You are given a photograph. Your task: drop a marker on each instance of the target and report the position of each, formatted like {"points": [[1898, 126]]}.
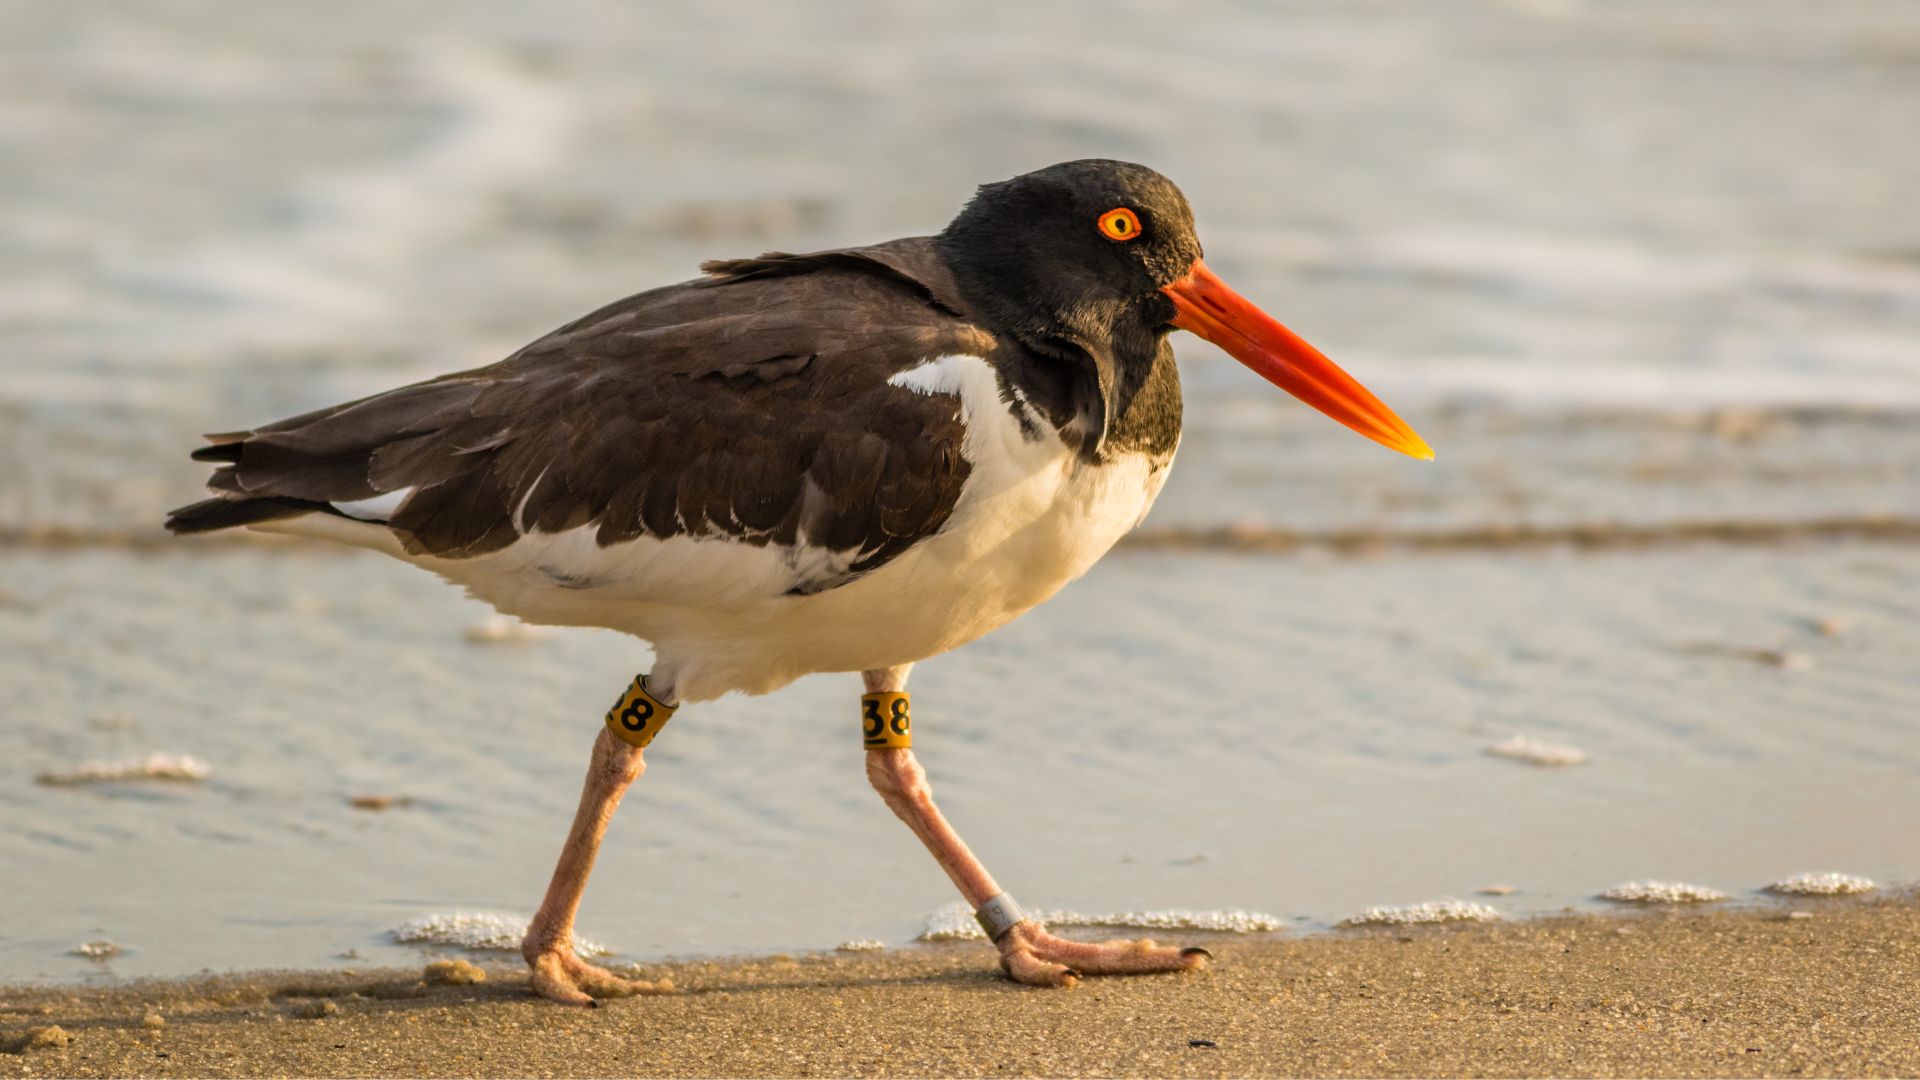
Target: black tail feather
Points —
{"points": [[223, 451], [209, 515]]}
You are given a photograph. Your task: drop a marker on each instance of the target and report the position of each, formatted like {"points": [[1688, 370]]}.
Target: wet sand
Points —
{"points": [[1755, 992]]}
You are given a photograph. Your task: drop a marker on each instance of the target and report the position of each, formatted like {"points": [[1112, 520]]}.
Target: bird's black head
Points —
{"points": [[1093, 262], [1077, 251]]}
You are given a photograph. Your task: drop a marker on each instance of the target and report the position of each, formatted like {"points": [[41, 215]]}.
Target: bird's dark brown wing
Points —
{"points": [[752, 405]]}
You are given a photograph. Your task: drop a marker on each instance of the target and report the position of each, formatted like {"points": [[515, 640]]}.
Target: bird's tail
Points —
{"points": [[211, 515]]}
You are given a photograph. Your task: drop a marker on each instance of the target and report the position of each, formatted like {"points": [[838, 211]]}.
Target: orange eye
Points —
{"points": [[1119, 224]]}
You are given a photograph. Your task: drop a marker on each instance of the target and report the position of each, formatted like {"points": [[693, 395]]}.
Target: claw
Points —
{"points": [[1195, 950]]}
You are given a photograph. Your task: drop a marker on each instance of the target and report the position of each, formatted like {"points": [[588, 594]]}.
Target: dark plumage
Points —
{"points": [[751, 404]]}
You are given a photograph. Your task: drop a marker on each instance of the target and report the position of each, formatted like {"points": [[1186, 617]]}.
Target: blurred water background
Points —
{"points": [[1643, 273]]}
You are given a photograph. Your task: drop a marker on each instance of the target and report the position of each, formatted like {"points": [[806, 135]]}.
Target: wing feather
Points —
{"points": [[753, 405]]}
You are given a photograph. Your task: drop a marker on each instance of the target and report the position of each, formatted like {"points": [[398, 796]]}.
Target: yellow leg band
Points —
{"points": [[886, 720], [638, 716]]}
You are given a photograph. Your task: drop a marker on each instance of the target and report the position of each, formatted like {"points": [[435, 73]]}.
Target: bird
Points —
{"points": [[848, 460]]}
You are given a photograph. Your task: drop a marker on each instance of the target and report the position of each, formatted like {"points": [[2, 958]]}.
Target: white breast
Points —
{"points": [[1032, 517]]}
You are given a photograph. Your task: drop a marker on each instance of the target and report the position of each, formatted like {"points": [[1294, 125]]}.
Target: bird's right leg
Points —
{"points": [[1028, 953], [558, 972]]}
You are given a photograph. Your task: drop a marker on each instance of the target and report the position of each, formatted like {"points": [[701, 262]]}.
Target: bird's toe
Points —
{"points": [[1022, 966], [552, 981], [1141, 957], [600, 982], [560, 975]]}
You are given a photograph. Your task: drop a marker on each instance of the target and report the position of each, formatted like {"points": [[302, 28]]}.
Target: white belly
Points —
{"points": [[995, 562]]}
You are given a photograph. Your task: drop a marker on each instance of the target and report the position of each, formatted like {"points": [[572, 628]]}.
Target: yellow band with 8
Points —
{"points": [[886, 720], [638, 716]]}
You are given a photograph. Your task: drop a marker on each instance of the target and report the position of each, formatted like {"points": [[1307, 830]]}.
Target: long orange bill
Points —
{"points": [[1208, 308]]}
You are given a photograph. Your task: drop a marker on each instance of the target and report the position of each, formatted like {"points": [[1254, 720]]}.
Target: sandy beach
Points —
{"points": [[1796, 989]]}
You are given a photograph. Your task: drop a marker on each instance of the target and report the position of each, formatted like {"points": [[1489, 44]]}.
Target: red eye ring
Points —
{"points": [[1119, 223]]}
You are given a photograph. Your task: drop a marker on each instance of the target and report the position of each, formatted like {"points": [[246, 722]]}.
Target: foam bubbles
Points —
{"points": [[1827, 884], [1533, 752], [158, 766], [955, 922], [1662, 892], [1444, 909], [489, 930]]}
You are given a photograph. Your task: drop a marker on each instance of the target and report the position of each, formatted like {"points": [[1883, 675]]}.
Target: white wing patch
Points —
{"points": [[945, 375], [381, 507], [977, 385]]}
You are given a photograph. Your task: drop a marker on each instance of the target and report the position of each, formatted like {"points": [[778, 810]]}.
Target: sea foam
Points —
{"points": [[159, 766], [955, 923], [1521, 748], [1827, 884], [1661, 892], [489, 930], [1444, 909]]}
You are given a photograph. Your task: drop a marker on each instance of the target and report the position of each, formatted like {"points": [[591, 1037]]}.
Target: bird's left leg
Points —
{"points": [[558, 972], [1028, 953]]}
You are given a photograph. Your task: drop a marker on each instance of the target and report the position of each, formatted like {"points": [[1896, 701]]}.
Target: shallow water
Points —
{"points": [[1299, 736], [1625, 265]]}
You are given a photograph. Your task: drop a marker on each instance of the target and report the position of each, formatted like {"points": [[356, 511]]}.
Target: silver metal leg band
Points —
{"points": [[998, 916]]}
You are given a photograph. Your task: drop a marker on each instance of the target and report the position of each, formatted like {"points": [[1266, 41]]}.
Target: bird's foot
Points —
{"points": [[1030, 955], [560, 975]]}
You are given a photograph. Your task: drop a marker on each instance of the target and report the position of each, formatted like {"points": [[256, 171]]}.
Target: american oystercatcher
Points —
{"points": [[849, 460]]}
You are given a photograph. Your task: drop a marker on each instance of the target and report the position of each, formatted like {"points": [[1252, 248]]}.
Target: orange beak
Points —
{"points": [[1208, 308]]}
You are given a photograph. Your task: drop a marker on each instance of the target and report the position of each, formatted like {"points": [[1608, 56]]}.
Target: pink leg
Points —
{"points": [[1028, 953], [558, 972]]}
